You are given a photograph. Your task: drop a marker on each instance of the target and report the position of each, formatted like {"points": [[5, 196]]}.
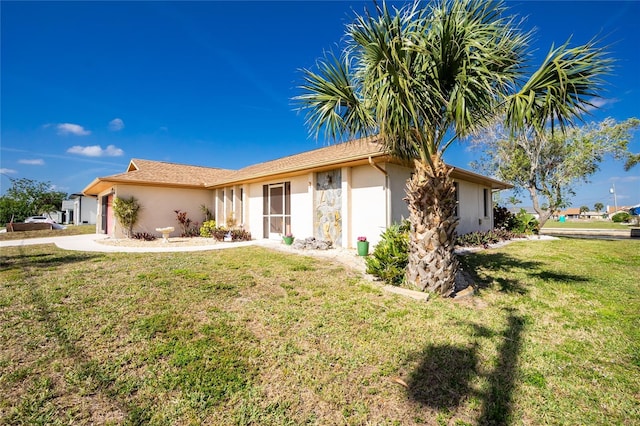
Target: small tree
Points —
{"points": [[28, 197], [549, 164], [598, 207], [583, 209], [126, 211]]}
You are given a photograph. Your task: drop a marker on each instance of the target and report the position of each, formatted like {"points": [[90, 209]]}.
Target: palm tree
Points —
{"points": [[598, 207], [421, 77]]}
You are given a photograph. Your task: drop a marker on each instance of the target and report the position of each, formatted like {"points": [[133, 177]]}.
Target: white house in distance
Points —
{"points": [[336, 193], [80, 209]]}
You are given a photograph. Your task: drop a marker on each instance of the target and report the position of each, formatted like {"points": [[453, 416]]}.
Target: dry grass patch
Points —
{"points": [[252, 336]]}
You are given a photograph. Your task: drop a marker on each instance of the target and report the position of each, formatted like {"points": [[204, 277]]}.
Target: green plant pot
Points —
{"points": [[287, 240], [363, 248]]}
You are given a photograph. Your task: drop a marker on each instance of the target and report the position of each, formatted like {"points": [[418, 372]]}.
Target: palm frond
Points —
{"points": [[332, 102], [562, 90]]}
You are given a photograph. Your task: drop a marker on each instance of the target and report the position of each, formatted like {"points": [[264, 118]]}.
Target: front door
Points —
{"points": [[277, 214]]}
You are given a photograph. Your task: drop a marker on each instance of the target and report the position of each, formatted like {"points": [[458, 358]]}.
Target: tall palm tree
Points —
{"points": [[421, 77]]}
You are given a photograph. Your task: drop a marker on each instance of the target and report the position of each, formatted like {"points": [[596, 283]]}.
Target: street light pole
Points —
{"points": [[612, 190]]}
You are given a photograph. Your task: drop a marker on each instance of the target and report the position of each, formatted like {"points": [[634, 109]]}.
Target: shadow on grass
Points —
{"points": [[84, 366], [504, 270], [28, 258], [442, 379]]}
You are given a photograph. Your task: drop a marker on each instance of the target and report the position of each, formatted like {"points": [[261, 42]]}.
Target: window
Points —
{"points": [[487, 201]]}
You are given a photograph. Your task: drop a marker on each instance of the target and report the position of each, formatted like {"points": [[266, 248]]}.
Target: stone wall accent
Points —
{"points": [[327, 223]]}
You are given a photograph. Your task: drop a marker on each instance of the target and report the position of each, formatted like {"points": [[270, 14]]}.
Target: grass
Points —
{"points": [[586, 224], [70, 230], [250, 336]]}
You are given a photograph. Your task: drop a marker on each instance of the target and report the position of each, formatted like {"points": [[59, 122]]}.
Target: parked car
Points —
{"points": [[38, 219], [43, 219]]}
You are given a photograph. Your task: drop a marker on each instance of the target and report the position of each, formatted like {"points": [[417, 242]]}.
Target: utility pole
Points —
{"points": [[612, 190]]}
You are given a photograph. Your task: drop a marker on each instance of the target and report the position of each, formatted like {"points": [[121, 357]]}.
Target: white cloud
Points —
{"points": [[116, 124], [598, 103], [8, 171], [96, 151], [34, 162], [624, 178], [74, 129]]}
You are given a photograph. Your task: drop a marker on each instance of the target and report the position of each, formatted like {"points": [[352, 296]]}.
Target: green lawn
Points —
{"points": [[251, 336], [70, 230], [586, 224]]}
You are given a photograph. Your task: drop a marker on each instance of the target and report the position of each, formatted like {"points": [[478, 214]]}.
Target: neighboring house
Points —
{"points": [[611, 210], [593, 215], [336, 193], [80, 209], [570, 213]]}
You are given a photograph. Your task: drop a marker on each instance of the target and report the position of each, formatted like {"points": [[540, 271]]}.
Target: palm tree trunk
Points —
{"points": [[431, 198]]}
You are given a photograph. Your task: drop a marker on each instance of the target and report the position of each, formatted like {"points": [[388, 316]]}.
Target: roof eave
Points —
{"points": [[294, 171]]}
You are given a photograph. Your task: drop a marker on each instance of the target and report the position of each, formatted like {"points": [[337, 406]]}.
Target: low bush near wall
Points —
{"points": [[390, 257], [483, 239], [143, 236]]}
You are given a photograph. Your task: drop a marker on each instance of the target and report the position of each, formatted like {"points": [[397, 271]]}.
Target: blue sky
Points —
{"points": [[86, 86]]}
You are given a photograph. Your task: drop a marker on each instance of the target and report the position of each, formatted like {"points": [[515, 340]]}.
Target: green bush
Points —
{"points": [[207, 228], [391, 255], [621, 217], [503, 219], [525, 223], [126, 211]]}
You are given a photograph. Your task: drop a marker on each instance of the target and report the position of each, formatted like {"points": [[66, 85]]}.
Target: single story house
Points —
{"points": [[80, 209], [337, 193]]}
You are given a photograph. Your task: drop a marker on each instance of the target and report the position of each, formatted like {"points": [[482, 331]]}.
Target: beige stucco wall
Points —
{"points": [[471, 209], [398, 176], [369, 215], [158, 206], [301, 206]]}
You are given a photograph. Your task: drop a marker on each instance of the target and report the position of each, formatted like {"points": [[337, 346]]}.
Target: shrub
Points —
{"points": [[483, 239], [189, 228], [503, 218], [240, 235], [621, 217], [207, 228], [219, 233], [126, 211], [391, 255], [525, 223], [144, 236]]}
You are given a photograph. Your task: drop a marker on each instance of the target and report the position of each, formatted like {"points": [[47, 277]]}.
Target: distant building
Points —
{"points": [[80, 209]]}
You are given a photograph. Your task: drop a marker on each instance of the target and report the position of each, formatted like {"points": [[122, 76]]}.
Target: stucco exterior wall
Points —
{"points": [[398, 176], [85, 210], [368, 204], [158, 206], [301, 206], [471, 208]]}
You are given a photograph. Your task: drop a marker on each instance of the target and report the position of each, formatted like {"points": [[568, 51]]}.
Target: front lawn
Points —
{"points": [[586, 224], [251, 336], [70, 230]]}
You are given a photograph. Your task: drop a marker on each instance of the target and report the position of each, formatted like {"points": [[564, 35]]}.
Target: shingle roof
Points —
{"points": [[147, 172], [342, 153], [171, 173]]}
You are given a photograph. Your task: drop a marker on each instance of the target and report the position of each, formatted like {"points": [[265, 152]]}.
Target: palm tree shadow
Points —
{"points": [[443, 376], [497, 408], [27, 259], [489, 269]]}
